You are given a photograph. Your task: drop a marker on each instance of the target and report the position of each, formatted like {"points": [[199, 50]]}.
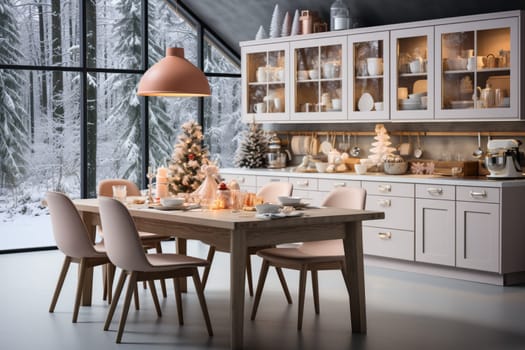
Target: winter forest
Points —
{"points": [[53, 91]]}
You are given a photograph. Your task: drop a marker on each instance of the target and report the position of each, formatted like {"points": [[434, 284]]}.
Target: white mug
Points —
{"points": [[336, 104], [259, 107], [378, 106], [278, 105], [415, 66], [374, 65], [261, 74]]}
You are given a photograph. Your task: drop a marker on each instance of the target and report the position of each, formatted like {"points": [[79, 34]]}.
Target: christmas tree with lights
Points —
{"points": [[187, 159], [382, 147], [252, 150]]}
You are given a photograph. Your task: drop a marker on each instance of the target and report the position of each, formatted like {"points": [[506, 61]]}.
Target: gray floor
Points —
{"points": [[405, 311]]}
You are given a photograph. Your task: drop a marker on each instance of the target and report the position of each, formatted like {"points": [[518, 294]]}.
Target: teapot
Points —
{"points": [[487, 96]]}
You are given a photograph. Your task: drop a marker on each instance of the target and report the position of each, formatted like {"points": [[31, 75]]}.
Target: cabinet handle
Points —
{"points": [[302, 183], [385, 203], [475, 194], [340, 184], [435, 190], [241, 180], [275, 180], [385, 235], [384, 188]]}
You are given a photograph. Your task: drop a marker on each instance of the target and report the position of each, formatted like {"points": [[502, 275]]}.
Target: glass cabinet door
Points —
{"points": [[265, 82], [368, 76], [477, 70], [412, 83], [319, 79]]}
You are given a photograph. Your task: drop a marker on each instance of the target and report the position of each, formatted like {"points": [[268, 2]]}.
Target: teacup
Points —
{"points": [[415, 66], [302, 75], [259, 107], [378, 106], [336, 104], [313, 74]]}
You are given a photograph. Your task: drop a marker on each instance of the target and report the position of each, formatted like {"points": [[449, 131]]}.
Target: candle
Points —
{"points": [[162, 172]]}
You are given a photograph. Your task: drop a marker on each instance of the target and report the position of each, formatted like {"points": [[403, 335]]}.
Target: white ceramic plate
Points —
{"points": [[366, 102]]}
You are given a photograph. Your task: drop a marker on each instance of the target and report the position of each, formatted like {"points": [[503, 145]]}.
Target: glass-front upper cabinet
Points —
{"points": [[477, 70], [412, 77], [265, 82], [369, 76], [319, 79]]}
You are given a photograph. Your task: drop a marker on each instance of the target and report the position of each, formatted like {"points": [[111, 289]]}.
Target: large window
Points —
{"points": [[69, 113]]}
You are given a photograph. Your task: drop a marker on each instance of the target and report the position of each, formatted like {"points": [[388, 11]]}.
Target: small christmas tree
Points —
{"points": [[287, 25], [252, 149], [187, 158], [261, 34], [276, 22], [381, 148], [296, 24]]}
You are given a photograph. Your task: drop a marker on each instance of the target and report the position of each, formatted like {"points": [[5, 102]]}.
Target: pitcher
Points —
{"points": [[487, 96]]}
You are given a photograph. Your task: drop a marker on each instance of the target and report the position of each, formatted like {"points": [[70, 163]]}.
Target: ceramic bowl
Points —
{"points": [[267, 208], [360, 169], [286, 200], [395, 168], [171, 201]]}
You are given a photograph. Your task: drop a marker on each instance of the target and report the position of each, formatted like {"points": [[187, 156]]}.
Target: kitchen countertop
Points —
{"points": [[482, 181]]}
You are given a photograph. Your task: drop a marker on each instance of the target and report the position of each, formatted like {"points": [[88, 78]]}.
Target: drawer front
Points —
{"points": [[477, 194], [399, 212], [329, 185], [446, 192], [389, 188], [244, 181], [388, 243], [263, 180], [301, 183]]}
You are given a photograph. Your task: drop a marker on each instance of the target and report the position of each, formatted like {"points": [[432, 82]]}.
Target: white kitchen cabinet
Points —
{"points": [[388, 243], [412, 74], [435, 236], [265, 80], [319, 79], [369, 62], [478, 70], [246, 182]]}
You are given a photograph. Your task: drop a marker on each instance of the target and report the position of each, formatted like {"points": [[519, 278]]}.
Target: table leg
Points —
{"points": [[355, 274], [88, 280], [238, 251], [181, 246]]}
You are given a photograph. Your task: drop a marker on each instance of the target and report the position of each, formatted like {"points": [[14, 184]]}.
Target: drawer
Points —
{"points": [[399, 212], [263, 180], [302, 183], [329, 185], [446, 192], [242, 180], [477, 194], [388, 243], [389, 188]]}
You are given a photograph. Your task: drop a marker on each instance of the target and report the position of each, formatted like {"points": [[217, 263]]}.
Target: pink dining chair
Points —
{"points": [[311, 256], [149, 240], [270, 193], [125, 251], [72, 239]]}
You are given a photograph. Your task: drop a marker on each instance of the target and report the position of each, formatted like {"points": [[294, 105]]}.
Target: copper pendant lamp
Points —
{"points": [[174, 76]]}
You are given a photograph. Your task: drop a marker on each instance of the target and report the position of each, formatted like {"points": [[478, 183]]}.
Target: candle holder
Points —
{"points": [[150, 177]]}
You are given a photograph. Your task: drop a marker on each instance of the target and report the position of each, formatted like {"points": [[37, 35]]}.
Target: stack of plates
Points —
{"points": [[409, 104]]}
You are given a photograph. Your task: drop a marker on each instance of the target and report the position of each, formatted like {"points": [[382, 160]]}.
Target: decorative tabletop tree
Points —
{"points": [[381, 148], [187, 159], [252, 150]]}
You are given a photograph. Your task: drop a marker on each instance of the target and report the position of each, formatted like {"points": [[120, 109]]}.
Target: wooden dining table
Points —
{"points": [[235, 231]]}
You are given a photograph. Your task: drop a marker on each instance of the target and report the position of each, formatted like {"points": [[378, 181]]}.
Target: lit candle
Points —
{"points": [[162, 172]]}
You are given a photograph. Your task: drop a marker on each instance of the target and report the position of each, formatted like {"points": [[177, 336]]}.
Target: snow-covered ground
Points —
{"points": [[25, 231]]}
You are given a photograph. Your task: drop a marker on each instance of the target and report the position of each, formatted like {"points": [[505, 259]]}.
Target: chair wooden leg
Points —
{"points": [[116, 297], [80, 287], [249, 274], [158, 248], [60, 283], [136, 298], [205, 274], [260, 285], [110, 274], [302, 290], [178, 299], [105, 294], [202, 301], [315, 290], [284, 285], [132, 285], [153, 291]]}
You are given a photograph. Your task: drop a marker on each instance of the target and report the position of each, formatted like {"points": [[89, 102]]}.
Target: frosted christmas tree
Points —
{"points": [[275, 24], [252, 149], [381, 148], [296, 24], [187, 159], [287, 25], [261, 34]]}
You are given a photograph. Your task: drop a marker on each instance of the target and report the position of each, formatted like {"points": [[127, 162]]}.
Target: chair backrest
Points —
{"points": [[121, 238], [272, 190], [346, 197], [105, 187], [69, 230]]}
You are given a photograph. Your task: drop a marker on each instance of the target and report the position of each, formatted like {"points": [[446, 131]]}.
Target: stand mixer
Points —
{"points": [[503, 159]]}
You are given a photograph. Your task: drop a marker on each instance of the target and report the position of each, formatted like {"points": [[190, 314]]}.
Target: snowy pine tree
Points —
{"points": [[13, 117], [381, 148], [287, 25], [188, 157], [252, 149], [296, 24], [261, 33], [276, 22]]}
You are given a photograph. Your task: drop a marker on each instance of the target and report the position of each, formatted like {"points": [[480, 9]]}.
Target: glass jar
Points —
{"points": [[339, 16], [223, 197]]}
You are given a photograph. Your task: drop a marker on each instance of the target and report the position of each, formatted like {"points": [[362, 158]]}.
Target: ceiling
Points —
{"points": [[238, 20]]}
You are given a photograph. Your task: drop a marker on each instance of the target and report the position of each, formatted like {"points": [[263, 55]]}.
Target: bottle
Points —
{"points": [[339, 16]]}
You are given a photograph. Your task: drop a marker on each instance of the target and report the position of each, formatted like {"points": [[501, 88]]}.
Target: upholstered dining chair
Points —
{"points": [[311, 256], [72, 239], [125, 250], [149, 240], [269, 193]]}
